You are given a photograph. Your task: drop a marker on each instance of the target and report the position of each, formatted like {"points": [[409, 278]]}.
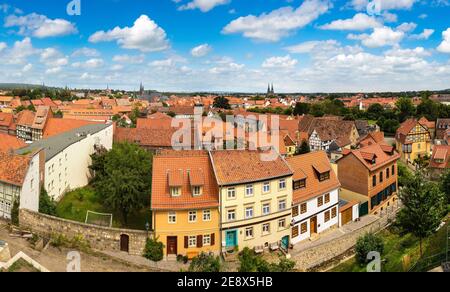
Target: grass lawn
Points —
{"points": [[396, 247], [75, 204]]}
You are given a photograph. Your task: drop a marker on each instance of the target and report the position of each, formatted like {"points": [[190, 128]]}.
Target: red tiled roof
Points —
{"points": [[183, 163], [368, 153], [56, 126], [440, 157], [8, 142], [241, 166], [13, 168], [304, 166], [25, 118]]}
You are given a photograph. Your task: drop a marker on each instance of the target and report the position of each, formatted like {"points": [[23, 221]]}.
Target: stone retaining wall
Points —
{"points": [[100, 238]]}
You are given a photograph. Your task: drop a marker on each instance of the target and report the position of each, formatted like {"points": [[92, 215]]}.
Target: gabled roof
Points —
{"points": [[13, 168], [183, 167], [234, 167], [304, 167], [374, 156], [440, 157], [8, 142], [57, 126], [25, 118], [406, 128]]}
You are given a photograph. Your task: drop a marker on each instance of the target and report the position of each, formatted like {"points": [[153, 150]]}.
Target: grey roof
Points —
{"points": [[57, 144]]}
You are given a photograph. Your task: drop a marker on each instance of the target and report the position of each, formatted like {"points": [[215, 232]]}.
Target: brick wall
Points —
{"points": [[99, 238]]}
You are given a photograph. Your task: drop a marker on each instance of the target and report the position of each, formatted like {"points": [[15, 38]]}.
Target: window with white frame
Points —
{"points": [[249, 232], [231, 215], [266, 187], [248, 212], [192, 216], [175, 192], [207, 239], [282, 223], [266, 209], [206, 215], [282, 184], [196, 191], [249, 190], [192, 241], [266, 228], [231, 193], [282, 205], [172, 217]]}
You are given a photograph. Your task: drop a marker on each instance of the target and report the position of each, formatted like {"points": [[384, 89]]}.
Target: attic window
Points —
{"points": [[324, 176], [299, 184]]}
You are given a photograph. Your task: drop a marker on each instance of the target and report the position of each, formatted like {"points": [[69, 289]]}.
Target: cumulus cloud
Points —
{"points": [[89, 64], [279, 23], [225, 65], [40, 26], [201, 51], [3, 46], [424, 35], [51, 57], [285, 62], [86, 52], [444, 47], [384, 4], [360, 21], [135, 59], [380, 37], [145, 35], [203, 5]]}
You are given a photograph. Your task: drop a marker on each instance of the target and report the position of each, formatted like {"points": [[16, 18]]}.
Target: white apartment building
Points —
{"points": [[67, 157]]}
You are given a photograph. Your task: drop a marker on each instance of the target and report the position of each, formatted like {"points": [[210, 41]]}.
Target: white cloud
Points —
{"points": [[384, 4], [407, 27], [360, 21], [201, 51], [86, 52], [117, 67], [279, 23], [285, 62], [226, 65], [27, 68], [424, 35], [444, 47], [51, 57], [137, 59], [89, 64], [145, 35], [203, 5], [20, 51], [3, 46], [380, 37], [54, 70], [163, 63], [40, 26]]}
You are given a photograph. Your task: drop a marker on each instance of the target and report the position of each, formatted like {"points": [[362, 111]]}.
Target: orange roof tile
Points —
{"points": [[58, 126], [440, 157], [304, 167], [8, 142], [241, 166], [13, 168], [184, 163]]}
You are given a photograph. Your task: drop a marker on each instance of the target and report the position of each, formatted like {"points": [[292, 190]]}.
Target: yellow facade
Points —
{"points": [[290, 151], [170, 226], [255, 219], [418, 144]]}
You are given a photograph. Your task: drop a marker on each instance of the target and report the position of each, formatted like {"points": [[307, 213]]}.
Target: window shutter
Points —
{"points": [[199, 241], [186, 242], [213, 239]]}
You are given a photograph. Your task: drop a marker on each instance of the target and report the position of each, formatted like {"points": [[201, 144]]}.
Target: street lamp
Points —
{"points": [[147, 227]]}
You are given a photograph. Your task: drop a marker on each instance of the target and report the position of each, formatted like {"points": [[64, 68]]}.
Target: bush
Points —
{"points": [[15, 212], [46, 204], [251, 262], [367, 243], [205, 263], [154, 250]]}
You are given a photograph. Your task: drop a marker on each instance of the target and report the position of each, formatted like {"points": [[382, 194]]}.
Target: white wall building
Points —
{"points": [[315, 206], [67, 157]]}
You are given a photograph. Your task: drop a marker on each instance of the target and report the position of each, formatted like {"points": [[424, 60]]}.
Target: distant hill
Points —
{"points": [[8, 86]]}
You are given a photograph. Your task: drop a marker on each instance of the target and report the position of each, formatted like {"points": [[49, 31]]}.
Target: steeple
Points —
{"points": [[272, 91], [268, 88]]}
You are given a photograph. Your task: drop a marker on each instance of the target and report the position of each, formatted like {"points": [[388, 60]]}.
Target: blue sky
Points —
{"points": [[228, 45]]}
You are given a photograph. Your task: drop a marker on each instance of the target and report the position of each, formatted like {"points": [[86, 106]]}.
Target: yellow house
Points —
{"points": [[255, 199], [413, 140], [184, 202]]}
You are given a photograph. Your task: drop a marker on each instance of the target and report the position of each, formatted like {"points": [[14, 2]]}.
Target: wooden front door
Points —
{"points": [[313, 225], [347, 216], [124, 243], [172, 244]]}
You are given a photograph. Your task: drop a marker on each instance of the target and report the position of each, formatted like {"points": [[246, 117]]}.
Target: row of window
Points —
{"points": [[176, 191], [5, 206], [303, 228], [383, 196], [250, 190], [250, 210], [192, 216], [390, 171], [265, 229], [199, 240], [304, 207]]}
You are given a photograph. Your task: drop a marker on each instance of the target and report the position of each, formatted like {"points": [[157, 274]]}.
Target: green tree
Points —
{"points": [[423, 207], [46, 204], [405, 108], [366, 244], [304, 148], [251, 262], [222, 102], [375, 111], [445, 184], [15, 211], [301, 109], [154, 250], [124, 181], [404, 175], [205, 263]]}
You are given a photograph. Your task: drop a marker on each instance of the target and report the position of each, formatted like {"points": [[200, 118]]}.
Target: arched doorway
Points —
{"points": [[124, 243]]}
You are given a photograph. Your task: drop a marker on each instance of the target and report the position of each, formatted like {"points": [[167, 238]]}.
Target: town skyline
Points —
{"points": [[300, 46]]}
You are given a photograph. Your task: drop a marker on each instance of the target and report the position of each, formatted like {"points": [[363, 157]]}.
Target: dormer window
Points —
{"points": [[299, 184], [324, 176], [196, 191], [175, 191]]}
